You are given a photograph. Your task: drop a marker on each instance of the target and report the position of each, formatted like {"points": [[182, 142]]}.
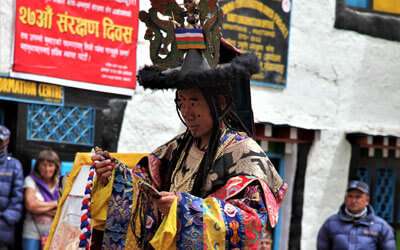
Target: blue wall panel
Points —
{"points": [[72, 125], [358, 3], [383, 197]]}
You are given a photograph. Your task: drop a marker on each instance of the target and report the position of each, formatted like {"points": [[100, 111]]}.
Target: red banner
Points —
{"points": [[90, 41]]}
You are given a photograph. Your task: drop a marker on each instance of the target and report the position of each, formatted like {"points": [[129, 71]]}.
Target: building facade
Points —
{"points": [[43, 113], [336, 119], [342, 100]]}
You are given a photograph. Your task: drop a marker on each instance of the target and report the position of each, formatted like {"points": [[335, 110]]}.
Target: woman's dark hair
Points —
{"points": [[50, 156]]}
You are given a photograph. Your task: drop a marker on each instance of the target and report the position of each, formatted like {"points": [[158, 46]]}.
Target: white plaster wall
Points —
{"points": [[341, 82], [325, 182], [150, 117], [336, 78], [6, 25], [286, 207], [150, 120]]}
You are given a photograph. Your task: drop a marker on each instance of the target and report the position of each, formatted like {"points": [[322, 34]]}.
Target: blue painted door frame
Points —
{"points": [[2, 116], [281, 169], [358, 3]]}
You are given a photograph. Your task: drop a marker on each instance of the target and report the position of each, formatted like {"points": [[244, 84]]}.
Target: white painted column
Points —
{"points": [[325, 182], [7, 12], [286, 208]]}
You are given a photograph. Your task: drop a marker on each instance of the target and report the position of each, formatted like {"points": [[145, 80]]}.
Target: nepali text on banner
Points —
{"points": [[84, 41]]}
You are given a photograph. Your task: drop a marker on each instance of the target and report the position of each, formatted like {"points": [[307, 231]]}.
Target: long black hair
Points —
{"points": [[219, 113], [213, 83]]}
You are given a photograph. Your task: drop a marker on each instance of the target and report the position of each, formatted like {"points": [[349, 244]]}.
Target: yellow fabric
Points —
{"points": [[131, 243], [164, 239], [388, 6], [100, 196], [214, 225]]}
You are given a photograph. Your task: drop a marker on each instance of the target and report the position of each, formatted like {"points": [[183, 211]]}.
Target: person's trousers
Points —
{"points": [[30, 244], [4, 247]]}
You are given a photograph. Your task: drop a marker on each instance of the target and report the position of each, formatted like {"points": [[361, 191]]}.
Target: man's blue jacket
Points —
{"points": [[340, 231], [11, 189]]}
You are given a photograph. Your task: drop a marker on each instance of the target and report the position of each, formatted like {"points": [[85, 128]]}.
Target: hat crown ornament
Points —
{"points": [[174, 29], [194, 62]]}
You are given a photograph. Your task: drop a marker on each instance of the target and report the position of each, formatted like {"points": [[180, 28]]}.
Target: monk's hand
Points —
{"points": [[165, 201], [103, 168]]}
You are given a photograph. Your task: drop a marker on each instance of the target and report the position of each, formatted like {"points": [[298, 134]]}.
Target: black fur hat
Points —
{"points": [[196, 72]]}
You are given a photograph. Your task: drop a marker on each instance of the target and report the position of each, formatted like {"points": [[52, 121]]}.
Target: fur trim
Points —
{"points": [[242, 66]]}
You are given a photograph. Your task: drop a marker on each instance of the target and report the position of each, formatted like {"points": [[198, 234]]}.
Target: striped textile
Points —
{"points": [[189, 38], [86, 229]]}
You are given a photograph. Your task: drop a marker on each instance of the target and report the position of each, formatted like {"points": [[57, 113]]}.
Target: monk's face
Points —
{"points": [[195, 112]]}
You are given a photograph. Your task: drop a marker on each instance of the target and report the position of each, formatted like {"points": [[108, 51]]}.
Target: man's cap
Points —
{"points": [[358, 185], [4, 133]]}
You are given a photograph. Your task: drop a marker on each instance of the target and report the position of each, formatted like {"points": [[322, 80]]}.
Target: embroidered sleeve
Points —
{"points": [[244, 158], [236, 187], [235, 217]]}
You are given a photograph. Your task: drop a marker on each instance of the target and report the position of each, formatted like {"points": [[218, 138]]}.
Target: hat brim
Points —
{"points": [[152, 77], [358, 189]]}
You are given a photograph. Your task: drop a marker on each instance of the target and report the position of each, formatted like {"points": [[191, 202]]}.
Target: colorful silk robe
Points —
{"points": [[244, 193]]}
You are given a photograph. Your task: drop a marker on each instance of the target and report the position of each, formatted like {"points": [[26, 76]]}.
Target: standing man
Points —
{"points": [[356, 226], [215, 181], [215, 178], [11, 186]]}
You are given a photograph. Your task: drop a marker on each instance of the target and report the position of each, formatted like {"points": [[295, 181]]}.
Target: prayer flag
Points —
{"points": [[189, 38]]}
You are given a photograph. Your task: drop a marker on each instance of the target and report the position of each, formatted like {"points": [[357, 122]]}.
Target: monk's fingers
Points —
{"points": [[104, 169], [164, 209], [166, 194], [97, 157], [102, 164], [104, 181], [164, 203], [106, 175]]}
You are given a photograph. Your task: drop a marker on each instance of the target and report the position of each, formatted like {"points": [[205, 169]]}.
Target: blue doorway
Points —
{"points": [[279, 163], [2, 116]]}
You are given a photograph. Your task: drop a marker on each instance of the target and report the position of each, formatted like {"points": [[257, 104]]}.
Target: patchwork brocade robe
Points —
{"points": [[244, 193]]}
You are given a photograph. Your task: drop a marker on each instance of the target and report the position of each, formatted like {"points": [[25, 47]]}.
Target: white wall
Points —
{"points": [[150, 120], [6, 24], [325, 182], [338, 81], [150, 117]]}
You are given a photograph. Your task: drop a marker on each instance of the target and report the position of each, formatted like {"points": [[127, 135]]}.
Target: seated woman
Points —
{"points": [[41, 194]]}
